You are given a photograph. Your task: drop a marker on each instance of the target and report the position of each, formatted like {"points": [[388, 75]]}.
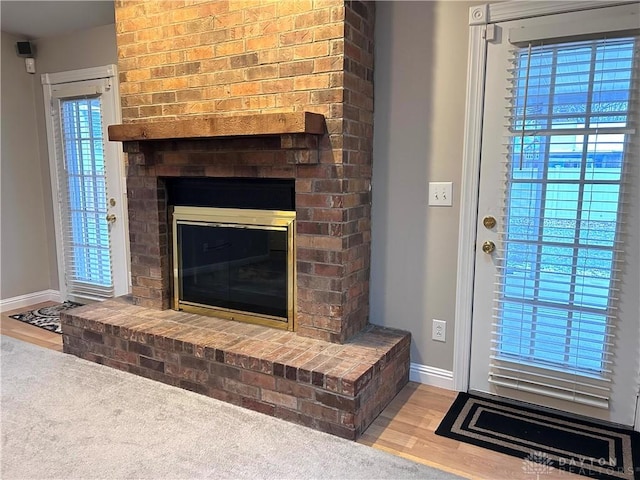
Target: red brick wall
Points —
{"points": [[184, 58], [179, 58]]}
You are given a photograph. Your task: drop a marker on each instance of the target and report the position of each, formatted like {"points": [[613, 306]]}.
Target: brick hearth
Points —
{"points": [[338, 389]]}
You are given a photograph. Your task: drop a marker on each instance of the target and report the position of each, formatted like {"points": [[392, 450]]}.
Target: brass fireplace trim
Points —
{"points": [[238, 218]]}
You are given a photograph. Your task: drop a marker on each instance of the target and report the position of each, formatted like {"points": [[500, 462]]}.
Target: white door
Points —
{"points": [[556, 289], [88, 183]]}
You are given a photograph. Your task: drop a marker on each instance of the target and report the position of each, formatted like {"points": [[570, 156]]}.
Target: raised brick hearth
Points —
{"points": [[334, 388], [252, 89]]}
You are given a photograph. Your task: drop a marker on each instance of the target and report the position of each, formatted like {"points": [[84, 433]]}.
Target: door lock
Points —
{"points": [[488, 246], [111, 218], [489, 222]]}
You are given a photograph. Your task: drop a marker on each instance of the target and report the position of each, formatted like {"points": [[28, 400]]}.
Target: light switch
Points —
{"points": [[440, 194]]}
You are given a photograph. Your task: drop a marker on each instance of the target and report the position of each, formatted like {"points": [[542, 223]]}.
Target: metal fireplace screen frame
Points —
{"points": [[266, 220]]}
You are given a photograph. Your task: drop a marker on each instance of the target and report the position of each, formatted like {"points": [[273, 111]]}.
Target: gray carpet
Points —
{"points": [[63, 417]]}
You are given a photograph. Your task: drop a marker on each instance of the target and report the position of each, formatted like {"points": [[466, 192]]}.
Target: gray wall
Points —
{"points": [[29, 262], [24, 252], [420, 87]]}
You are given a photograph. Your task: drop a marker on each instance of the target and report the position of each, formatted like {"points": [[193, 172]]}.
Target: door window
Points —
{"points": [[569, 117], [87, 248]]}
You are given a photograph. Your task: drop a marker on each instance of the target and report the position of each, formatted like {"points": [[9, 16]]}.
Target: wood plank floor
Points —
{"points": [[405, 428], [28, 333]]}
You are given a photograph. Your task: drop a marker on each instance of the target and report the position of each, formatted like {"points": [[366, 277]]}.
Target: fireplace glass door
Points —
{"points": [[235, 263]]}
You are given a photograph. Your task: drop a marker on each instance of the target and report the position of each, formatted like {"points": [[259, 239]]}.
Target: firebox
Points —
{"points": [[235, 263], [233, 248]]}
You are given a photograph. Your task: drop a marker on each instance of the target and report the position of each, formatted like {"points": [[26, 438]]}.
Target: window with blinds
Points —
{"points": [[571, 125], [87, 241]]}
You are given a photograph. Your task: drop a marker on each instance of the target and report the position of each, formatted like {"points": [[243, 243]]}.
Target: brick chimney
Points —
{"points": [[192, 59]]}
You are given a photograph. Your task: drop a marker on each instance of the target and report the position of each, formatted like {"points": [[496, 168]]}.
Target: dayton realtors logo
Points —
{"points": [[537, 463], [541, 463], [595, 467]]}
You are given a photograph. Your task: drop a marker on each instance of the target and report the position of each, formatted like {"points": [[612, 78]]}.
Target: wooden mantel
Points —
{"points": [[298, 132], [221, 126]]}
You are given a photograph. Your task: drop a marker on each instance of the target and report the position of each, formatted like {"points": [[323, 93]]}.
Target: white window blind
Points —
{"points": [[81, 168], [571, 124]]}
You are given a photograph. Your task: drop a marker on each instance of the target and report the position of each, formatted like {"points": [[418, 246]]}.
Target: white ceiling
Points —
{"points": [[40, 19]]}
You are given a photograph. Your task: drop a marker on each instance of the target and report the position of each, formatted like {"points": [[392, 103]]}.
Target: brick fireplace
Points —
{"points": [[255, 90]]}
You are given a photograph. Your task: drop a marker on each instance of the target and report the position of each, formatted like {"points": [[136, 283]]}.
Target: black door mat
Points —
{"points": [[544, 440]]}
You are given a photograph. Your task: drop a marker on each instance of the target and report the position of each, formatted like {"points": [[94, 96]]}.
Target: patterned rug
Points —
{"points": [[46, 317], [544, 440]]}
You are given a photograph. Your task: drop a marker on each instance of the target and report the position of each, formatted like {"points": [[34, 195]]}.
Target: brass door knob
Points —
{"points": [[488, 246], [111, 218]]}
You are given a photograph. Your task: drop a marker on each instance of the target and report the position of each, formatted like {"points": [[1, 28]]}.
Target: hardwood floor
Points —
{"points": [[28, 333], [405, 428]]}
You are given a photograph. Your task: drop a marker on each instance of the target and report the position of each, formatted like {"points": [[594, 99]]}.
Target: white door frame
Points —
{"points": [[48, 80], [481, 18]]}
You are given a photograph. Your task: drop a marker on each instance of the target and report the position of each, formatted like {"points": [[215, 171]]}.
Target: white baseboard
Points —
{"points": [[29, 299], [436, 377]]}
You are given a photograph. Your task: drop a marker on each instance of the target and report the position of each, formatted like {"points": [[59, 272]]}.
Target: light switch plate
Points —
{"points": [[440, 194]]}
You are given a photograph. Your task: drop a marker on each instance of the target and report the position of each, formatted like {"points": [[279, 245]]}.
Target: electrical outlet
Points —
{"points": [[439, 330], [440, 194]]}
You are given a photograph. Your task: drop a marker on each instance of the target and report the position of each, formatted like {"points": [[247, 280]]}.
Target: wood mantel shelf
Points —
{"points": [[221, 126], [298, 131]]}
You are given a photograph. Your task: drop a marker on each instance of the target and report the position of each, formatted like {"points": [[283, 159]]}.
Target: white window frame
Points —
{"points": [[481, 19]]}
